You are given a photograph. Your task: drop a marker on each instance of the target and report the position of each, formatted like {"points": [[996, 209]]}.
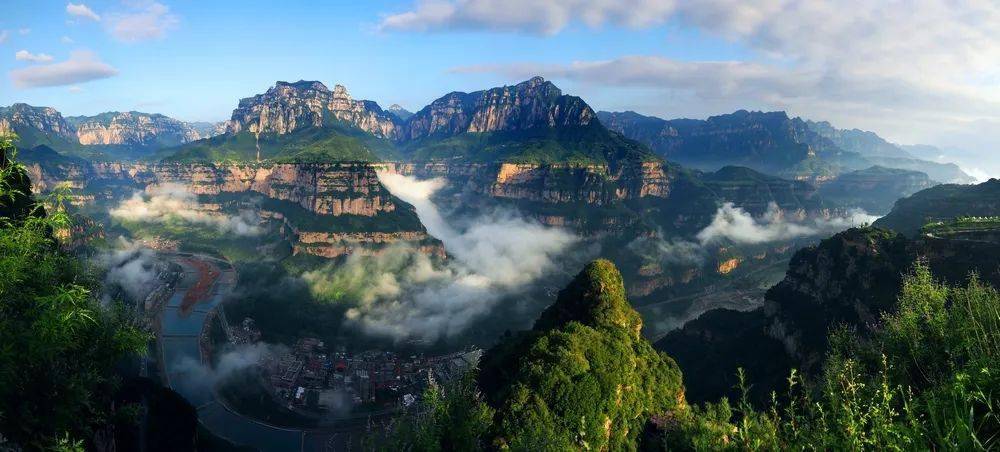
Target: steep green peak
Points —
{"points": [[596, 298]]}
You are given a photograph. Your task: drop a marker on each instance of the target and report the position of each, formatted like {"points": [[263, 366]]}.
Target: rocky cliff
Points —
{"points": [[328, 210], [534, 103], [37, 126], [132, 128], [549, 183], [287, 107], [107, 136]]}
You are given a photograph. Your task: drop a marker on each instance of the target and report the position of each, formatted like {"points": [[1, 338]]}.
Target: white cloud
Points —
{"points": [[23, 31], [80, 67], [403, 293], [75, 89], [530, 16], [66, 40], [82, 11], [144, 21], [738, 226], [169, 201], [885, 66], [4, 35], [24, 55]]}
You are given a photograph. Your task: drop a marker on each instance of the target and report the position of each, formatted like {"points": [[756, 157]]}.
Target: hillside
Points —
{"points": [[773, 143], [874, 189], [770, 142], [943, 202], [851, 278]]}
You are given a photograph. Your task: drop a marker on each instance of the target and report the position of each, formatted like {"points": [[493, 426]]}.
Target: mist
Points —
{"points": [[161, 203], [404, 293], [201, 377], [736, 225]]}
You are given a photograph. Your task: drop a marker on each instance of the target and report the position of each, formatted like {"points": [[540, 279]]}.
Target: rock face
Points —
{"points": [[287, 107], [325, 189], [552, 184], [133, 129], [327, 210], [530, 104], [46, 120]]}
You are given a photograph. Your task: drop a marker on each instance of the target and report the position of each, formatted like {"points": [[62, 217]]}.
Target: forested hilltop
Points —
{"points": [[926, 377]]}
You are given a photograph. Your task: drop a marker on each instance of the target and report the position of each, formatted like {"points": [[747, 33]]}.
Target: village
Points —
{"points": [[314, 378]]}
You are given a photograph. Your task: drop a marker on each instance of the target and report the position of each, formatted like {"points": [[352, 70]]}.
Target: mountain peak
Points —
{"points": [[288, 107], [595, 297], [304, 85]]}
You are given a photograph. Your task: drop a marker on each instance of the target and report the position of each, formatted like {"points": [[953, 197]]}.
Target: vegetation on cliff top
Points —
{"points": [[943, 202], [582, 378], [925, 377]]}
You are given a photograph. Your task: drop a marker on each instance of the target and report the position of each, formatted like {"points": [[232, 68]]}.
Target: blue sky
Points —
{"points": [[919, 71], [219, 52]]}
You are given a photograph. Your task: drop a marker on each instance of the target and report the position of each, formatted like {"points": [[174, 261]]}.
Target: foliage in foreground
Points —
{"points": [[58, 345], [928, 378]]}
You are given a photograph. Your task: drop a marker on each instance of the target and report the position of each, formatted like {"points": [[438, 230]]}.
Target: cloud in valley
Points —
{"points": [[82, 11], [132, 268], [200, 378], [80, 67], [731, 224], [735, 225], [173, 201], [403, 293]]}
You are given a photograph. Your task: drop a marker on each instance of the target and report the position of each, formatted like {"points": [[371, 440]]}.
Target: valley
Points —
{"points": [[332, 261]]}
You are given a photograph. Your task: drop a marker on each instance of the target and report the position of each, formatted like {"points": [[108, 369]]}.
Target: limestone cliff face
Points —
{"points": [[45, 119], [133, 129], [290, 106], [533, 103], [326, 189], [592, 184]]}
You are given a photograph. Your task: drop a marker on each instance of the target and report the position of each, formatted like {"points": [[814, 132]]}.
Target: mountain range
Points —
{"points": [[772, 142]]}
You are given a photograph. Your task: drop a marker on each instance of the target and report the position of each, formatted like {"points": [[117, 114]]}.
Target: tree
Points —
{"points": [[58, 344]]}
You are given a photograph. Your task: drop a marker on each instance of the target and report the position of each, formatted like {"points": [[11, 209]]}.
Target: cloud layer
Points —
{"points": [[920, 72], [403, 293], [735, 225], [80, 67], [173, 201]]}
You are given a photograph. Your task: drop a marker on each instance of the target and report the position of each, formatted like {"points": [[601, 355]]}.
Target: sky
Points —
{"points": [[916, 71]]}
